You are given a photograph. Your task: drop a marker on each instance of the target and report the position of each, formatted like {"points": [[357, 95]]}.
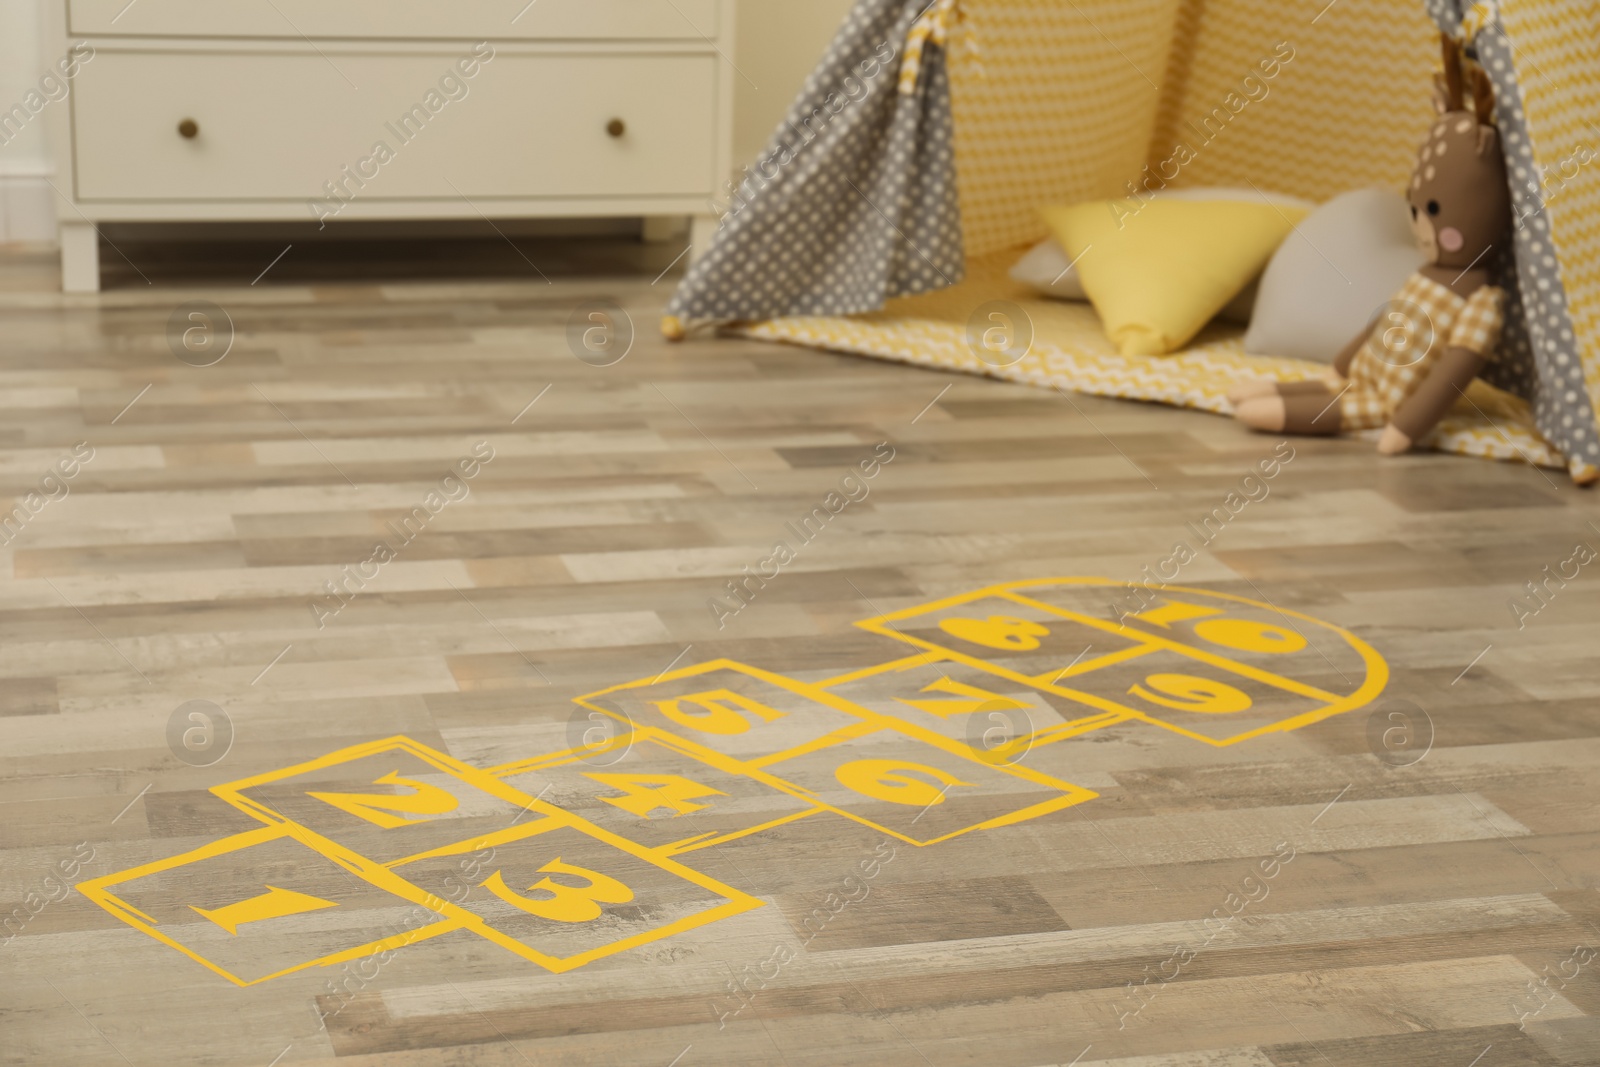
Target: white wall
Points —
{"points": [[779, 42], [26, 211]]}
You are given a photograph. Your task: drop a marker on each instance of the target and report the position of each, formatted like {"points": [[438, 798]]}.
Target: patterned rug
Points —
{"points": [[1070, 351]]}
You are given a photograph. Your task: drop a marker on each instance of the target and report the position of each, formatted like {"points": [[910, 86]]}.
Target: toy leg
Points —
{"points": [[1309, 408], [1309, 387], [1251, 389], [1313, 413], [1262, 387]]}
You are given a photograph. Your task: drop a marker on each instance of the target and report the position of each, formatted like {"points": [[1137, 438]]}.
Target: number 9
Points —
{"points": [[1187, 692]]}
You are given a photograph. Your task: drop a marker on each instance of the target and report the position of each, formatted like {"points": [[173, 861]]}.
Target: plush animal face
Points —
{"points": [[1460, 200]]}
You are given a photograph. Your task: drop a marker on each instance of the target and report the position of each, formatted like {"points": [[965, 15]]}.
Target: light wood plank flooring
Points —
{"points": [[1411, 882]]}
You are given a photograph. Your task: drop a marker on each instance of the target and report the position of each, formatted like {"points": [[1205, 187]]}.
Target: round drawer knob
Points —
{"points": [[189, 129], [616, 127]]}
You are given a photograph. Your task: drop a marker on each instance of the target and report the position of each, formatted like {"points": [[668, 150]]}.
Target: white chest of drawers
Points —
{"points": [[332, 110]]}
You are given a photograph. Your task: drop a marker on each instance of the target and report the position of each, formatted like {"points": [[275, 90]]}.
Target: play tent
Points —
{"points": [[908, 175]]}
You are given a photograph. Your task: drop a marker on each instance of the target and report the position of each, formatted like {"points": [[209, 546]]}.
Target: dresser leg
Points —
{"points": [[658, 229], [80, 257]]}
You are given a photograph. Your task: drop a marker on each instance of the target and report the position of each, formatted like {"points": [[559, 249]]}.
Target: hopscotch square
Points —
{"points": [[991, 714], [752, 715], [659, 791], [390, 800], [262, 904], [1303, 648], [1029, 644], [1198, 700], [922, 789], [569, 895]]}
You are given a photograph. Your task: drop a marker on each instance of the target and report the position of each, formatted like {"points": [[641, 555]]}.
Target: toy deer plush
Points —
{"points": [[1427, 345]]}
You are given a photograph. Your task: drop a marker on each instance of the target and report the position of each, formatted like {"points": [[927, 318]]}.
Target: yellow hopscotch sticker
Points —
{"points": [[923, 748]]}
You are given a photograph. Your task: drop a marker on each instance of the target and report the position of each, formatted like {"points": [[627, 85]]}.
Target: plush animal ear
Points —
{"points": [[1482, 96], [1488, 140], [1455, 95]]}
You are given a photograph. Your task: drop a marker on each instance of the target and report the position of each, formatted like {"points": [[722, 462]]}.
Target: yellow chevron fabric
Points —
{"points": [[1070, 351], [1056, 105], [1345, 111], [1556, 45]]}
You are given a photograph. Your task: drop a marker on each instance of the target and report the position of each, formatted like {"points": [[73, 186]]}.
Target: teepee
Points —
{"points": [[909, 173]]}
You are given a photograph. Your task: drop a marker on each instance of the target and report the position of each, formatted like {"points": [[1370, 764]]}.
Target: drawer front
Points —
{"points": [[277, 126], [495, 20]]}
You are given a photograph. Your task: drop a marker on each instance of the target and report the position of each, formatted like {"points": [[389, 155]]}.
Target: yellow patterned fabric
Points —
{"points": [[1557, 54], [1091, 91], [1341, 113], [1060, 109], [1071, 352]]}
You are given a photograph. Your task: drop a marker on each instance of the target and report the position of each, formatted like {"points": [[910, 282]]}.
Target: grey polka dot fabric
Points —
{"points": [[853, 201], [1538, 352]]}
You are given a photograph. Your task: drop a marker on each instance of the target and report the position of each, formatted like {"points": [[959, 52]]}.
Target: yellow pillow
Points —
{"points": [[1158, 276]]}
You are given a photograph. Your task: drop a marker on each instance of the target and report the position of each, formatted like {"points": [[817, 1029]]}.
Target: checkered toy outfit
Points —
{"points": [[1424, 319]]}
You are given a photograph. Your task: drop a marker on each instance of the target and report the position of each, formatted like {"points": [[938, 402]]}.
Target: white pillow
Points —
{"points": [[1340, 266], [1047, 270]]}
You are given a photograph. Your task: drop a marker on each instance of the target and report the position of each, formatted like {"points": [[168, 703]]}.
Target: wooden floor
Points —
{"points": [[1412, 881]]}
